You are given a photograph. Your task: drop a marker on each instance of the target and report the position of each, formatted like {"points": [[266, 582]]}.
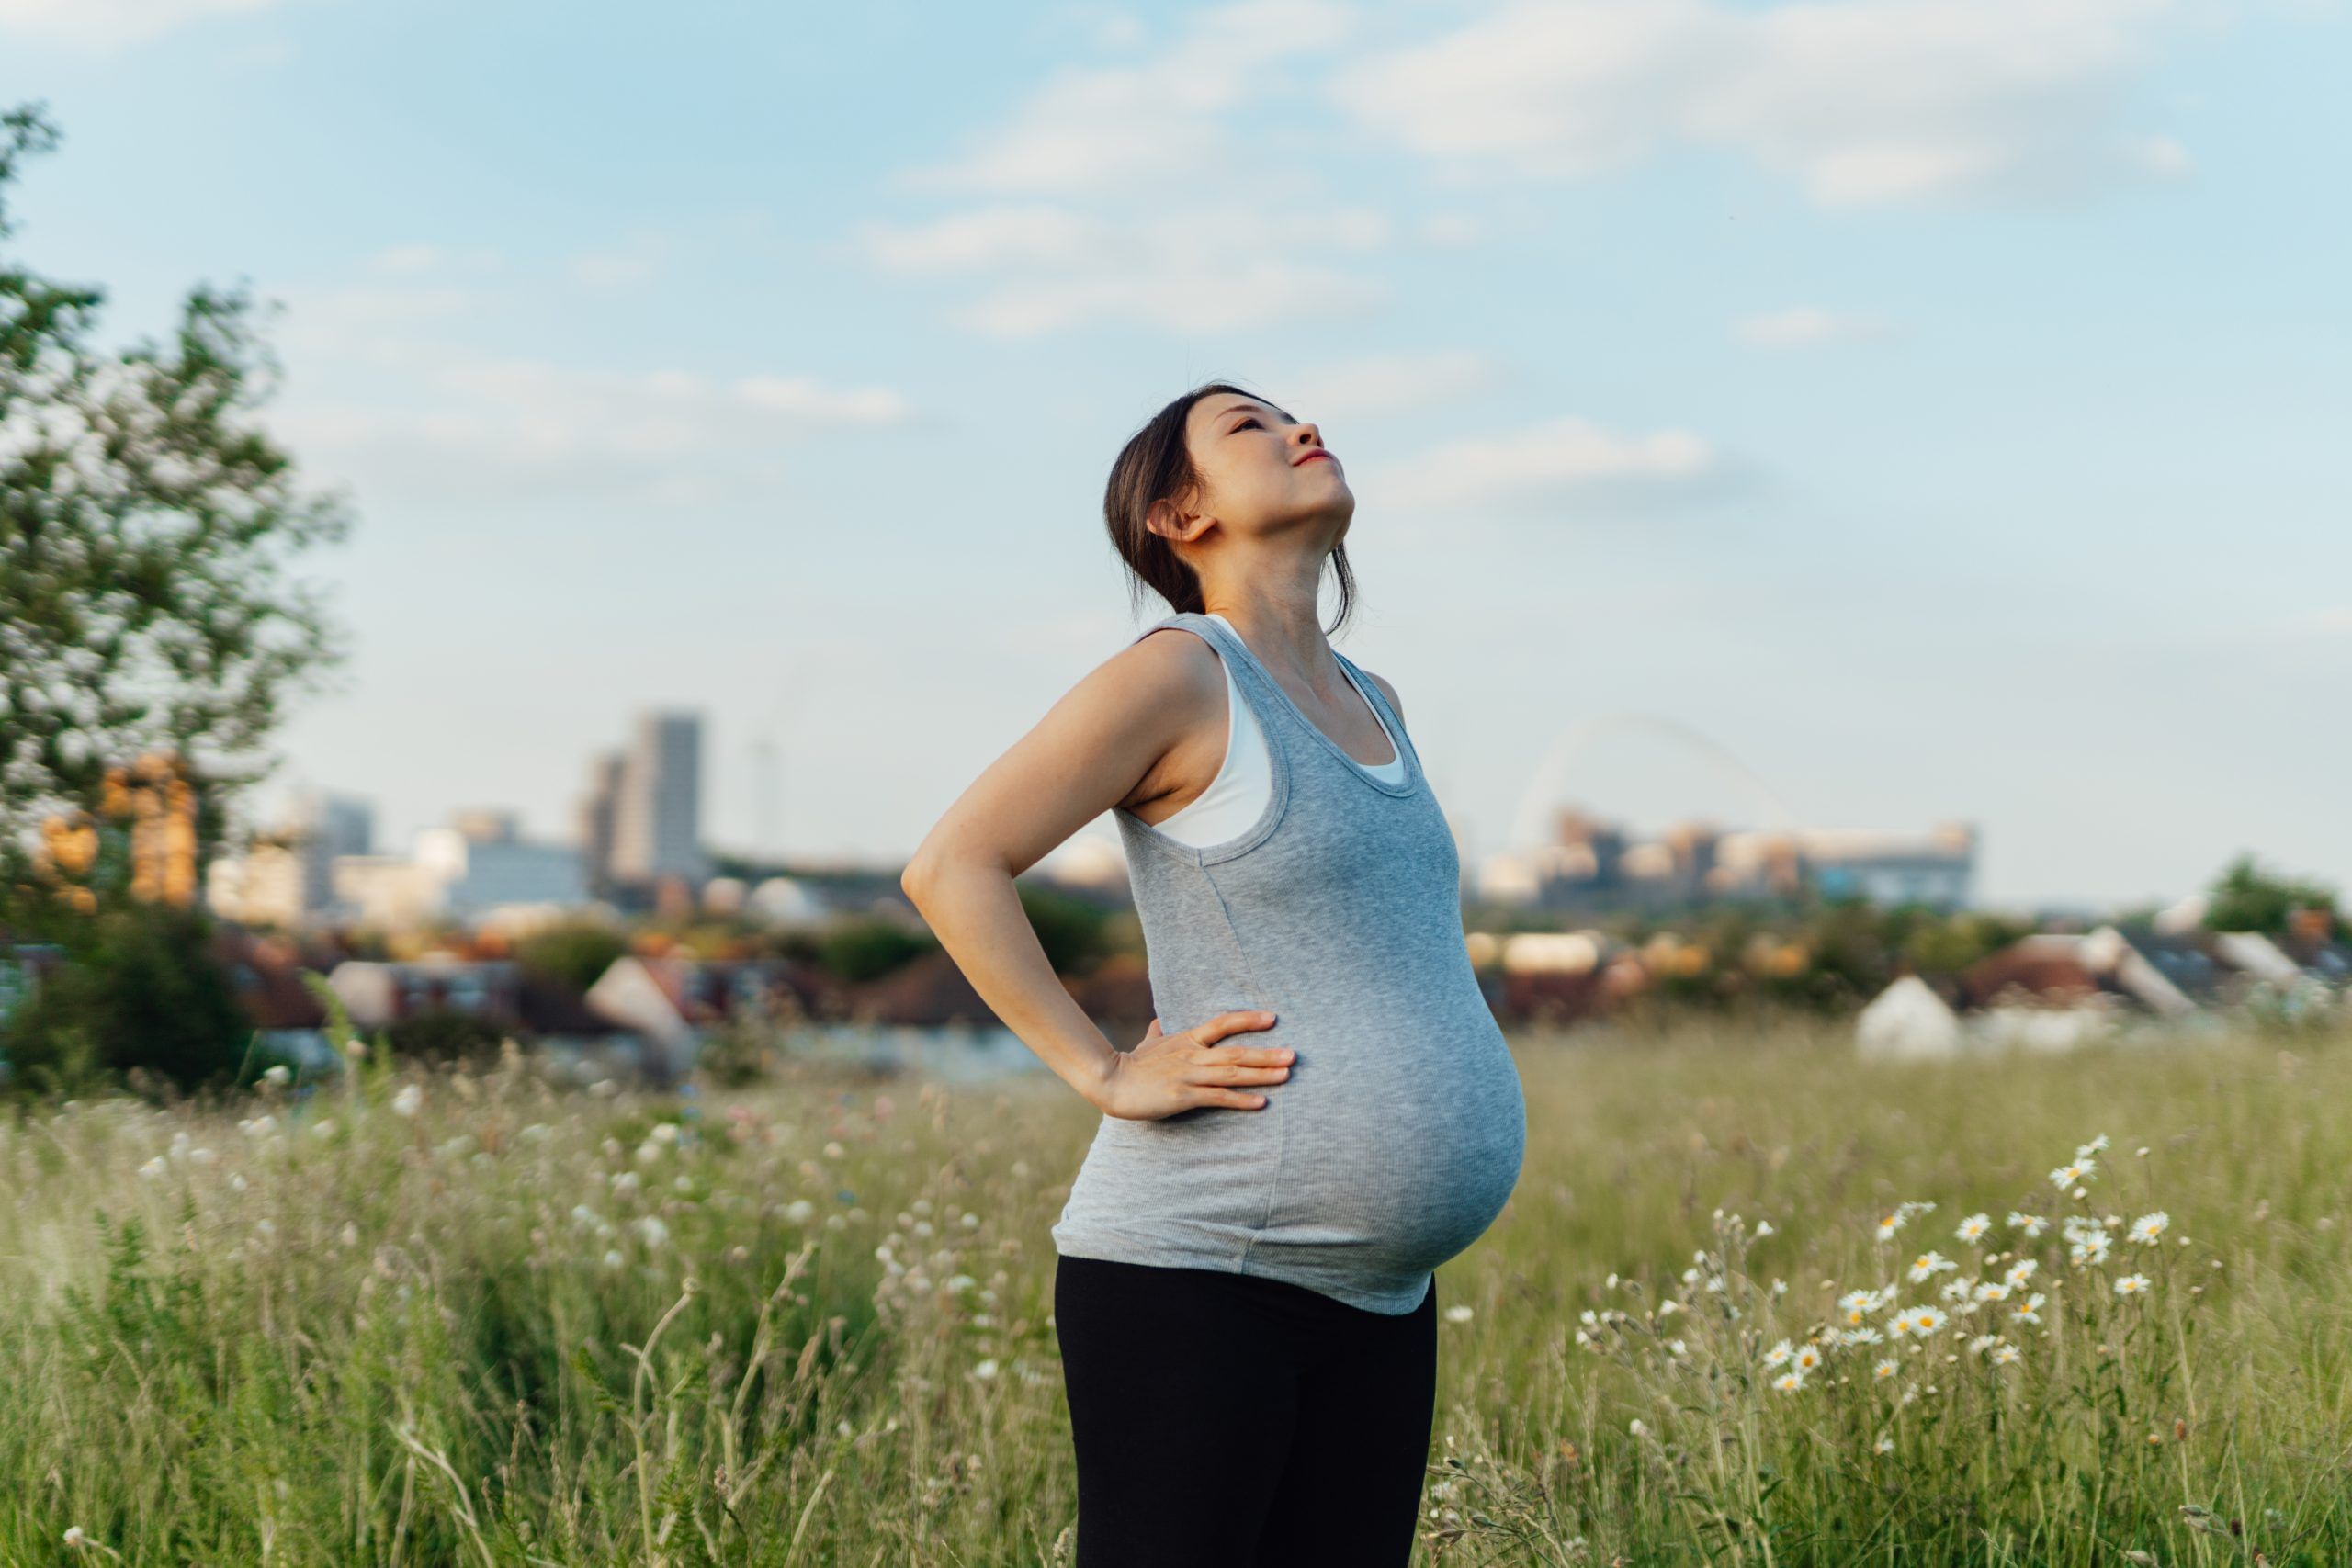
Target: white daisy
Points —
{"points": [[2132, 1285], [1973, 1227], [2147, 1227]]}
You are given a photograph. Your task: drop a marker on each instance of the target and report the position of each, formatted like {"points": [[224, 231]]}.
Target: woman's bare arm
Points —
{"points": [[1104, 742]]}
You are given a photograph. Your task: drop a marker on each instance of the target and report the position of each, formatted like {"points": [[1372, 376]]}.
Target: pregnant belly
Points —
{"points": [[1404, 1161]]}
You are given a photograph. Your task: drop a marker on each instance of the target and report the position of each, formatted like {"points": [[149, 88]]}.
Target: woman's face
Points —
{"points": [[1262, 471]]}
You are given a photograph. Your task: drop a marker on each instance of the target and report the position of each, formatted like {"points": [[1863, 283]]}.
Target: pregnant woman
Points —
{"points": [[1324, 1110]]}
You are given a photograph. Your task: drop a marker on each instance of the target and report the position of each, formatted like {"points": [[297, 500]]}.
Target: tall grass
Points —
{"points": [[469, 1318]]}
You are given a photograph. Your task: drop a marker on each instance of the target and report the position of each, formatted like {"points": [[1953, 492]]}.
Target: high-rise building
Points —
{"points": [[657, 820], [321, 826], [598, 810]]}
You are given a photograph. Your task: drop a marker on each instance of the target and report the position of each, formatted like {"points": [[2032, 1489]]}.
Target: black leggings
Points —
{"points": [[1231, 1420]]}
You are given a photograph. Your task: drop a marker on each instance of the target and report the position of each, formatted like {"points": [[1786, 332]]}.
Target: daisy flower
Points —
{"points": [[2132, 1285], [1807, 1358], [2068, 1175], [2004, 1354], [1973, 1227], [1789, 1382], [1886, 1369], [2032, 1224], [1927, 1320], [1777, 1354], [2147, 1227], [2027, 1309], [1931, 1263], [2022, 1269], [1858, 1305]]}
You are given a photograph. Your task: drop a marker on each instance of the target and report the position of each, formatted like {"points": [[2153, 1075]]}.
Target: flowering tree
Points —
{"points": [[144, 531]]}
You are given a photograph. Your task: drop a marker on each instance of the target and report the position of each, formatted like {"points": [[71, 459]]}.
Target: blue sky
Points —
{"points": [[1937, 405]]}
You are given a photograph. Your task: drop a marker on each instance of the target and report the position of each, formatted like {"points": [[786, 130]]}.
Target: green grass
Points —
{"points": [[352, 1334]]}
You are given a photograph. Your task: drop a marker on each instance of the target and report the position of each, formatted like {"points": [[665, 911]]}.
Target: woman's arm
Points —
{"points": [[1097, 747]]}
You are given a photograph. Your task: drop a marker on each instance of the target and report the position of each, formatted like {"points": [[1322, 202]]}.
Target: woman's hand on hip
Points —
{"points": [[1168, 1073]]}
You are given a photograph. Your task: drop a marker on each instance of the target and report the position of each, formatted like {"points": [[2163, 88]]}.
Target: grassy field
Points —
{"points": [[469, 1319]]}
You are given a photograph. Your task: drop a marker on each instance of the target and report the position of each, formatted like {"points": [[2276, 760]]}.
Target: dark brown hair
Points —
{"points": [[1157, 464]]}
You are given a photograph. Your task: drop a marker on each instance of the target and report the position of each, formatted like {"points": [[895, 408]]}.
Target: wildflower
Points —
{"points": [[1926, 1320], [408, 1101], [1777, 1354], [2032, 1224], [1886, 1369], [74, 1536], [1763, 1229], [654, 1232], [154, 1167], [1665, 1307], [2005, 1353], [2022, 1269], [2147, 1227], [2068, 1175], [2086, 1150], [799, 1211], [1457, 1313], [1983, 1343], [1679, 1349], [1865, 1336], [1886, 1445], [1931, 1263], [1994, 1291], [1904, 1322], [1638, 1427], [986, 1369], [1858, 1305], [2028, 1310], [2132, 1285], [1973, 1227], [1808, 1357], [1789, 1382]]}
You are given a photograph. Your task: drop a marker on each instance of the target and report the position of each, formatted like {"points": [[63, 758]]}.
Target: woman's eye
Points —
{"points": [[1245, 424]]}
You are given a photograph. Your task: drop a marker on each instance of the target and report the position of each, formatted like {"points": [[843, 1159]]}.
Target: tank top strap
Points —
{"points": [[1267, 702], [1379, 699]]}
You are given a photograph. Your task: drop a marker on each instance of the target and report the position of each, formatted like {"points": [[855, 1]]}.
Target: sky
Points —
{"points": [[1854, 413]]}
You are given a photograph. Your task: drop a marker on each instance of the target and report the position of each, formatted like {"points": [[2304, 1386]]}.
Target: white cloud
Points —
{"points": [[637, 260], [113, 24], [1861, 101], [445, 425], [1223, 268], [1558, 465], [1389, 383], [1804, 326], [1097, 129], [1124, 194]]}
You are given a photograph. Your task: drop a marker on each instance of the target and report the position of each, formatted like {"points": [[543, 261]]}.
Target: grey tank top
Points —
{"points": [[1398, 1135]]}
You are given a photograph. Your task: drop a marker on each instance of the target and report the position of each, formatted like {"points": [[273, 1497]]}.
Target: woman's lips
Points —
{"points": [[1311, 457]]}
